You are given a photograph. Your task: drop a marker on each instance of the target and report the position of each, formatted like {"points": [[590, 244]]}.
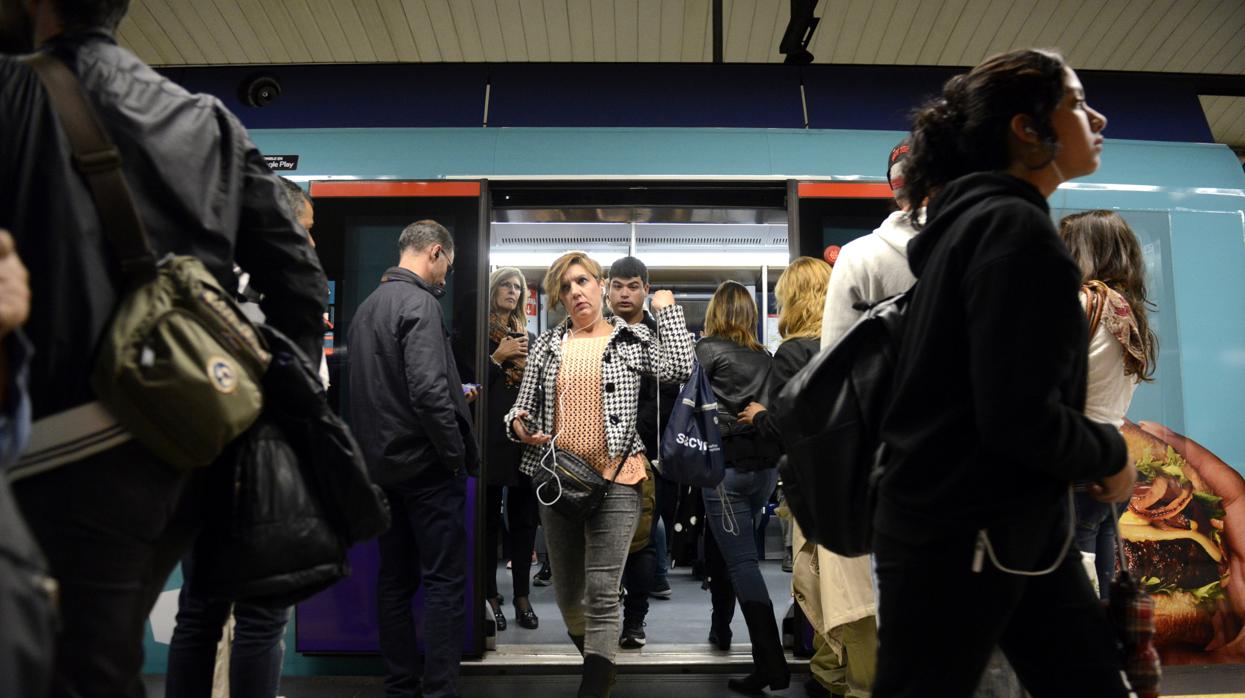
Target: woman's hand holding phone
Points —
{"points": [[527, 432]]}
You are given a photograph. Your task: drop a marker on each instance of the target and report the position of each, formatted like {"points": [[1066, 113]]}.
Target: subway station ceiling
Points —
{"points": [[1171, 36]]}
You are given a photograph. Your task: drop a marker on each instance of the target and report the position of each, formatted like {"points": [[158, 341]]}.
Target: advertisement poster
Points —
{"points": [[1183, 536]]}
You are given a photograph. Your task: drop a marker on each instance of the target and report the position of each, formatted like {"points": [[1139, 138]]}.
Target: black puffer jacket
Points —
{"points": [[288, 497], [200, 185], [407, 408], [738, 376]]}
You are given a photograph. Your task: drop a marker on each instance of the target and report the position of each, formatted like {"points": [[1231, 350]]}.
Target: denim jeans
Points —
{"points": [[732, 510], [664, 515], [426, 545], [639, 578], [1095, 533], [587, 559], [254, 658]]}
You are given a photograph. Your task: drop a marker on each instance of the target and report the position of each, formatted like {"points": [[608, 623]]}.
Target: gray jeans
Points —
{"points": [[587, 560]]}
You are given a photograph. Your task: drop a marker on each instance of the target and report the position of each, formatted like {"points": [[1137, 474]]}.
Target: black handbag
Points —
{"points": [[579, 488], [288, 497]]}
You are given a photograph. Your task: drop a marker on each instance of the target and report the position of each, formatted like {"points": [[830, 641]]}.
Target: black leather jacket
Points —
{"points": [[738, 376], [199, 183], [407, 408]]}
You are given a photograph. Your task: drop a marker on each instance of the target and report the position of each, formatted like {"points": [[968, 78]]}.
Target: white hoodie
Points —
{"points": [[869, 269], [834, 590]]}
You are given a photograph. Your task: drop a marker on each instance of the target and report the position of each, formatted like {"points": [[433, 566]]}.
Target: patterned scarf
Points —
{"points": [[1107, 307], [512, 368]]}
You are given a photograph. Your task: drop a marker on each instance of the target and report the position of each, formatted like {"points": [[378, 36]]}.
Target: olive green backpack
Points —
{"points": [[179, 365]]}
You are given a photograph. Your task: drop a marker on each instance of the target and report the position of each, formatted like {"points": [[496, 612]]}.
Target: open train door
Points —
{"points": [[825, 214], [357, 224]]}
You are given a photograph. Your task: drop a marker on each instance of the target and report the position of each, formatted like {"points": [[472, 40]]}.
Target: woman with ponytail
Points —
{"points": [[986, 432]]}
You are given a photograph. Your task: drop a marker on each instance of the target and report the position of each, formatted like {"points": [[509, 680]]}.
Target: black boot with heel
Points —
{"points": [[769, 661], [524, 615]]}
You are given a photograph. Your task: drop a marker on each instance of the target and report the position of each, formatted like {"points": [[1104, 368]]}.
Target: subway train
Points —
{"points": [[700, 205]]}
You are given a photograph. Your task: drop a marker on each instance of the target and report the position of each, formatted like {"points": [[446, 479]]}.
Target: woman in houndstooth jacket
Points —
{"points": [[581, 387]]}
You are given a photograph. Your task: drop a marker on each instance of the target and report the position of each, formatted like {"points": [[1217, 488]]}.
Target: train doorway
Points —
{"points": [[693, 235]]}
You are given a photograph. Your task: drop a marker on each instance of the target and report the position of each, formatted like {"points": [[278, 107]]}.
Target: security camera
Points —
{"points": [[259, 90]]}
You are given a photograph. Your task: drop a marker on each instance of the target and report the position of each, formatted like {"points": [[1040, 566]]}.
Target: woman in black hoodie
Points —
{"points": [[986, 429]]}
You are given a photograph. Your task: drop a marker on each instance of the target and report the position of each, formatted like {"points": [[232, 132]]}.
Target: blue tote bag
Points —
{"points": [[691, 445]]}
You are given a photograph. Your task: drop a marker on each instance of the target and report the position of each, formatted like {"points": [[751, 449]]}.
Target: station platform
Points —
{"points": [[1227, 681]]}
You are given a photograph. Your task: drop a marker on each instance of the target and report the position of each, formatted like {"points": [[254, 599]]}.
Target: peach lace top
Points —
{"points": [[580, 418]]}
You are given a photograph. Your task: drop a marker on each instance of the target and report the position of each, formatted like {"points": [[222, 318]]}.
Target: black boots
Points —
{"points": [[579, 642], [720, 627], [598, 677], [722, 595], [769, 661]]}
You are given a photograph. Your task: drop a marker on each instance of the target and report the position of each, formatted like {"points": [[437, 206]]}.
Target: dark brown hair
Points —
{"points": [[965, 129], [1107, 250]]}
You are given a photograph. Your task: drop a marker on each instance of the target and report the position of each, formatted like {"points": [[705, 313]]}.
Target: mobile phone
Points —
{"points": [[517, 335], [468, 387]]}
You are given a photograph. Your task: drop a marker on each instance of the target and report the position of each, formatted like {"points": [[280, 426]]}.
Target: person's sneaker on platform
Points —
{"points": [[544, 577], [632, 635], [661, 589]]}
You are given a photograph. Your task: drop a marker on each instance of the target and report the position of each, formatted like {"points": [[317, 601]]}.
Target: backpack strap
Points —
{"points": [[99, 162]]}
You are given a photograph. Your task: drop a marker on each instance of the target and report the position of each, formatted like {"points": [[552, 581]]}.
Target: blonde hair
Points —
{"points": [[801, 294], [732, 314], [515, 319], [553, 277]]}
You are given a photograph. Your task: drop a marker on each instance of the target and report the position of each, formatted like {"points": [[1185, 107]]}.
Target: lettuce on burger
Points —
{"points": [[1172, 535]]}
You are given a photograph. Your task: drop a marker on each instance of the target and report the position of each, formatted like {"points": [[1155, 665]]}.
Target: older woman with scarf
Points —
{"points": [[508, 341]]}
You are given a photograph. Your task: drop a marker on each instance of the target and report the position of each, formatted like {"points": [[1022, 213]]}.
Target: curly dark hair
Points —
{"points": [[965, 129]]}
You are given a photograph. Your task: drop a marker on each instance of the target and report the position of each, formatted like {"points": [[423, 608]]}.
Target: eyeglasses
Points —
{"points": [[510, 285]]}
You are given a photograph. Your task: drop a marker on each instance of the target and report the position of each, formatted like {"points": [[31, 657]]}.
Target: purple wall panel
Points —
{"points": [[342, 618]]}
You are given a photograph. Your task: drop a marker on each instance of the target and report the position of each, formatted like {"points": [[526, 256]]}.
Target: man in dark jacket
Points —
{"points": [[645, 572], [408, 410], [112, 518]]}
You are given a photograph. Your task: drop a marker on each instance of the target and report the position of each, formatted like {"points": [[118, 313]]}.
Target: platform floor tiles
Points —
{"points": [[676, 663], [683, 619], [1181, 682]]}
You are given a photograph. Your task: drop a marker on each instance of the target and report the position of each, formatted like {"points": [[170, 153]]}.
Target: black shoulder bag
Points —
{"points": [[580, 488]]}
